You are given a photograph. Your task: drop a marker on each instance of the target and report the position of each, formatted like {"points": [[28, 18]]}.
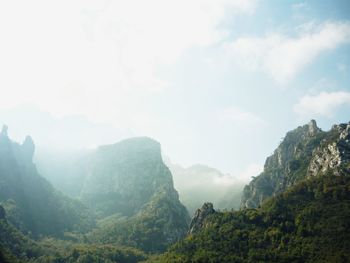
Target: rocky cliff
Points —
{"points": [[304, 152], [129, 179], [31, 203]]}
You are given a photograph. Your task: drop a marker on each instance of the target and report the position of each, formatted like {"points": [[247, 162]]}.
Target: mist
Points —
{"points": [[174, 131]]}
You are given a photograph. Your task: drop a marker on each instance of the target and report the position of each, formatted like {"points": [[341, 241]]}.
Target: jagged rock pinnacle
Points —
{"points": [[199, 217], [313, 129], [4, 130], [28, 147]]}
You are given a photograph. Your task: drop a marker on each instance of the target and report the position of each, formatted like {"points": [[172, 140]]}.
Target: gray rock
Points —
{"points": [[198, 220], [305, 152], [4, 130]]}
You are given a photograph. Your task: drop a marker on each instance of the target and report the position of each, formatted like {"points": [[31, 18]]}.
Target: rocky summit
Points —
{"points": [[130, 180], [304, 152], [197, 222], [296, 210]]}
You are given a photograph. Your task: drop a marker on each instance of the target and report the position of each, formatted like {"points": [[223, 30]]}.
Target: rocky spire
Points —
{"points": [[201, 214], [313, 129], [4, 130], [28, 147]]}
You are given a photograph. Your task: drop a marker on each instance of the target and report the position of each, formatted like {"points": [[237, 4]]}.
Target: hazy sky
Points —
{"points": [[217, 82]]}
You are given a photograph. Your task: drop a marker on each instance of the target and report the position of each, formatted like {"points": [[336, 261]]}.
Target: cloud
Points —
{"points": [[225, 180], [324, 104], [99, 58], [282, 57], [250, 171], [239, 117]]}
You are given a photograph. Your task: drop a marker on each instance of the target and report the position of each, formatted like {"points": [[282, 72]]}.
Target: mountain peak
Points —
{"points": [[199, 217], [28, 147], [305, 152], [313, 129], [4, 130]]}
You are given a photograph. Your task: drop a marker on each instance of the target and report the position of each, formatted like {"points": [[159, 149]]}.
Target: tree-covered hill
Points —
{"points": [[307, 223], [297, 210]]}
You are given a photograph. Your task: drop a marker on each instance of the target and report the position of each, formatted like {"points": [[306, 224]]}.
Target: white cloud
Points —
{"points": [[225, 180], [281, 56], [239, 117], [99, 58], [250, 171], [324, 104]]}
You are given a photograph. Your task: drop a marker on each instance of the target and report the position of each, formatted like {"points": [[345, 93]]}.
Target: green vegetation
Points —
{"points": [[307, 223], [299, 208], [151, 230], [15, 247], [130, 195]]}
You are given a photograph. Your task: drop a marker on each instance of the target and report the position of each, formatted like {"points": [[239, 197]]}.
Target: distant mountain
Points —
{"points": [[30, 201], [304, 152], [303, 200], [131, 189], [199, 183]]}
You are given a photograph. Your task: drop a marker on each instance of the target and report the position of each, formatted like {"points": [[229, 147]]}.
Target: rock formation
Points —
{"points": [[199, 217], [130, 179], [305, 152]]}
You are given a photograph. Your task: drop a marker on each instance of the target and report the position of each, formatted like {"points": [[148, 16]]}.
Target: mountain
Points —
{"points": [[296, 210], [126, 186], [304, 152], [199, 183], [131, 190], [30, 201]]}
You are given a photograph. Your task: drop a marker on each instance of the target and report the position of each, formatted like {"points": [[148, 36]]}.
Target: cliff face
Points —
{"points": [[129, 179], [123, 177], [306, 151], [333, 152]]}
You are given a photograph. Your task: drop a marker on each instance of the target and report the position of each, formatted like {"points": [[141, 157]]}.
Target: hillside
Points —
{"points": [[304, 206], [307, 223]]}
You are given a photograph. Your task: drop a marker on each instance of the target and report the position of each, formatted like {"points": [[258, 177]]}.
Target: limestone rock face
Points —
{"points": [[333, 154], [306, 151], [130, 179], [122, 177], [199, 217]]}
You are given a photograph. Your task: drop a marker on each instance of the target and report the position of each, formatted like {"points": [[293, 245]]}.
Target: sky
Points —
{"points": [[215, 82]]}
